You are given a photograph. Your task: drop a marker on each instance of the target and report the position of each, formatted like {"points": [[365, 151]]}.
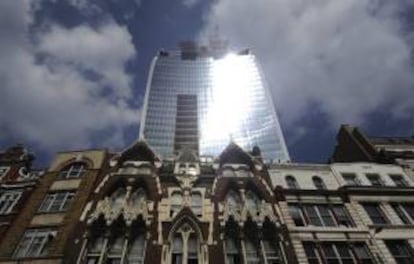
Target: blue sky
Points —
{"points": [[73, 72]]}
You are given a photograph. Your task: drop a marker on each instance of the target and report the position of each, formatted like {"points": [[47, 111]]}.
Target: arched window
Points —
{"points": [[233, 202], [252, 253], [118, 197], [192, 249], [197, 203], [138, 197], [73, 170], [271, 252], [177, 250], [252, 203], [136, 252], [318, 182], [95, 247], [232, 251], [176, 203], [185, 245], [115, 250], [291, 182]]}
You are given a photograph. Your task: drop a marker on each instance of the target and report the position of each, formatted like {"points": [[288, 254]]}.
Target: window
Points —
{"points": [[271, 252], [291, 182], [192, 250], [232, 251], [351, 179], [375, 213], [133, 251], [297, 215], [400, 250], [176, 203], [233, 202], [116, 247], [320, 215], [34, 243], [136, 250], [313, 215], [337, 253], [311, 252], [197, 204], [74, 170], [117, 198], [185, 246], [3, 171], [341, 215], [252, 203], [318, 182], [252, 255], [375, 179], [405, 211], [56, 202], [8, 200], [398, 180], [94, 250], [138, 197]]}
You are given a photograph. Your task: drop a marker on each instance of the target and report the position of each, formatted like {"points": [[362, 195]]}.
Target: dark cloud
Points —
{"points": [[54, 102]]}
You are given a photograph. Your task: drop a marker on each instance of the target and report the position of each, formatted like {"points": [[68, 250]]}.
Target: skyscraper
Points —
{"points": [[203, 98]]}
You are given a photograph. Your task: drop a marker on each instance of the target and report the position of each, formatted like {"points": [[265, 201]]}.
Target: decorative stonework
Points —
{"points": [[129, 210]]}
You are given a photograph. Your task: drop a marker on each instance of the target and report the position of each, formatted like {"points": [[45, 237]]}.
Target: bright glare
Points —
{"points": [[232, 82]]}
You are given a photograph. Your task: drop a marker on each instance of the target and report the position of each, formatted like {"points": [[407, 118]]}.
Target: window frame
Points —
{"points": [[320, 212], [407, 248], [176, 202], [316, 253], [8, 200], [32, 236], [68, 171], [346, 176], [291, 182], [318, 183], [51, 199], [4, 170], [375, 179], [403, 213], [197, 205], [399, 180], [377, 206]]}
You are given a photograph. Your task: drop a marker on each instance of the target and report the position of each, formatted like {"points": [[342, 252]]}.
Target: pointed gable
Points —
{"points": [[139, 151], [234, 154], [187, 155]]}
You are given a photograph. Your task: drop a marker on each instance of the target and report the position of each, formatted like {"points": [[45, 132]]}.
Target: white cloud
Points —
{"points": [[75, 89], [103, 50], [348, 57], [189, 3]]}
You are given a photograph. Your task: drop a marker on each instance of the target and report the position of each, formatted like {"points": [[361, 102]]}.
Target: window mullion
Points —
{"points": [[402, 208], [44, 237], [103, 251], [319, 215], [338, 256], [124, 250], [331, 213], [29, 245], [62, 204]]}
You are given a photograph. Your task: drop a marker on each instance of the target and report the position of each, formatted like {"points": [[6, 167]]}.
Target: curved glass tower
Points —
{"points": [[200, 101]]}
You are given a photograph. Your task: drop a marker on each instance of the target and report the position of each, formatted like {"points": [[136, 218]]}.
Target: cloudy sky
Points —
{"points": [[73, 72]]}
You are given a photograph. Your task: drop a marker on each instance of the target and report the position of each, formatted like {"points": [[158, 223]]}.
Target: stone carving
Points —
{"points": [[112, 208]]}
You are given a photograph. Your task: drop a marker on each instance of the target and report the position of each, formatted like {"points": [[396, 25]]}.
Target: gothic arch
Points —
{"points": [[186, 219]]}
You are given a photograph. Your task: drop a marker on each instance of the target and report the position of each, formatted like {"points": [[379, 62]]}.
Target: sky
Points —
{"points": [[73, 72]]}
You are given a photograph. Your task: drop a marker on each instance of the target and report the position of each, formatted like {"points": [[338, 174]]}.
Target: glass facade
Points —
{"points": [[233, 104]]}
